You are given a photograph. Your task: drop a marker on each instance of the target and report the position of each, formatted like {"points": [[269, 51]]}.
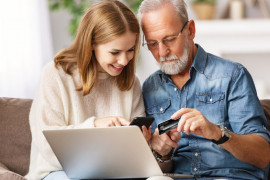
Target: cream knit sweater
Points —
{"points": [[58, 105]]}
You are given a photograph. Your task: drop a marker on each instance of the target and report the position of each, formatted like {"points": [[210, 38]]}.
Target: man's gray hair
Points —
{"points": [[150, 5]]}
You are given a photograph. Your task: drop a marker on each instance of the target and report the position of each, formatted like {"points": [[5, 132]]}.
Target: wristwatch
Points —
{"points": [[225, 135], [163, 159]]}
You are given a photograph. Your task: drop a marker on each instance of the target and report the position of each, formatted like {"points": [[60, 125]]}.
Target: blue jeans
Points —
{"points": [[61, 175], [57, 175]]}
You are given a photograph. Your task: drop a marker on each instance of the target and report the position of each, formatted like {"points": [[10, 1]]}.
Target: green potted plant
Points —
{"points": [[204, 9], [76, 9]]}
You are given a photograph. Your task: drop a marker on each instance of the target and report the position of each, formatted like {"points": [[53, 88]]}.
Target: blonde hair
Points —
{"points": [[103, 22]]}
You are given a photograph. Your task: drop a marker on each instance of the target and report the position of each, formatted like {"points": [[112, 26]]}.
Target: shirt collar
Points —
{"points": [[198, 63], [200, 59], [163, 77]]}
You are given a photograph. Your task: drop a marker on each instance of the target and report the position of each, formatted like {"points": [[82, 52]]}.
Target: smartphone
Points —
{"points": [[140, 121]]}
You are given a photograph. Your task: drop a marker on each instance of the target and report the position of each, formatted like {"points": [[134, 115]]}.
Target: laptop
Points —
{"points": [[104, 153]]}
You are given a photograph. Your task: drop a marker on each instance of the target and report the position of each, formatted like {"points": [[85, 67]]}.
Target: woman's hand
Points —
{"points": [[111, 121], [146, 133], [119, 121]]}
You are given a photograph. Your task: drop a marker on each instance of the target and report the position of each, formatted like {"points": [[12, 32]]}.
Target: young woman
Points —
{"points": [[92, 83]]}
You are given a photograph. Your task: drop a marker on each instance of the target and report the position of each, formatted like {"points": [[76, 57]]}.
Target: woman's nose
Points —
{"points": [[124, 60]]}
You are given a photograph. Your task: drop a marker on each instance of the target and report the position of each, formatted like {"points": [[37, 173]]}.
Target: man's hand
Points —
{"points": [[146, 133], [193, 121], [249, 148], [111, 121], [164, 143]]}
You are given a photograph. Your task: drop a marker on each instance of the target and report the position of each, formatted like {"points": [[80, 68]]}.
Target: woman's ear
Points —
{"points": [[191, 29]]}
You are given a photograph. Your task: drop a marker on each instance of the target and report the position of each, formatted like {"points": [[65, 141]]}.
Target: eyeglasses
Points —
{"points": [[169, 41]]}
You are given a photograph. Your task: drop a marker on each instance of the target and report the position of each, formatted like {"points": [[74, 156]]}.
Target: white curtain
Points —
{"points": [[25, 46]]}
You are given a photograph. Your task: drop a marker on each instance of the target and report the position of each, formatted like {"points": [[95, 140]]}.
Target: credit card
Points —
{"points": [[167, 125]]}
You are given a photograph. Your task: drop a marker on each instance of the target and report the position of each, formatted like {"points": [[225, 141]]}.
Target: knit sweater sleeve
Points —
{"points": [[137, 103], [50, 110]]}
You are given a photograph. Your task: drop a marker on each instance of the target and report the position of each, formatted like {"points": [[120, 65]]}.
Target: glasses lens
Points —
{"points": [[152, 46], [169, 41]]}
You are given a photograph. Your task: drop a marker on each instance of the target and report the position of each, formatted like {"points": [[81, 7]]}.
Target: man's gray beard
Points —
{"points": [[175, 66]]}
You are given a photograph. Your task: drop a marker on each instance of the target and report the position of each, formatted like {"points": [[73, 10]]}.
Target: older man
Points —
{"points": [[222, 125]]}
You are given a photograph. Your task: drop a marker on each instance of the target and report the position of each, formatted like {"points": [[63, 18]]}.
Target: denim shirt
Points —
{"points": [[224, 92]]}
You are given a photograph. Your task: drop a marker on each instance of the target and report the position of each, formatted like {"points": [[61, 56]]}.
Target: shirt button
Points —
{"points": [[211, 100], [196, 154], [161, 109], [175, 89], [195, 169]]}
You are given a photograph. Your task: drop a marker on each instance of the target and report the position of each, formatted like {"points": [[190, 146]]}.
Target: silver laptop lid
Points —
{"points": [[103, 153]]}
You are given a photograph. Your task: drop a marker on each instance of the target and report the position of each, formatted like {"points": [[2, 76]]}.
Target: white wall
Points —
{"points": [[25, 46], [59, 28]]}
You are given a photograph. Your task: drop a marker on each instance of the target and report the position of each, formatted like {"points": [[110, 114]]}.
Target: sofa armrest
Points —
{"points": [[266, 108], [15, 134], [6, 174], [3, 167]]}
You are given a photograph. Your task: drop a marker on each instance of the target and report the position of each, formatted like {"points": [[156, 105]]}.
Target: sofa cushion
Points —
{"points": [[9, 175], [15, 135], [6, 174], [266, 107]]}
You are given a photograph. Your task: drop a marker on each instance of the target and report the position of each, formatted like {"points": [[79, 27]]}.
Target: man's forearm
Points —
{"points": [[251, 149]]}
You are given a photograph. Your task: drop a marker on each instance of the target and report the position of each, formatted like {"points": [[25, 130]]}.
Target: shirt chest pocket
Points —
{"points": [[160, 111], [211, 105]]}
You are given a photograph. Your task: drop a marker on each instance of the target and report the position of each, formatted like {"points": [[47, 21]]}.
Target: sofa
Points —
{"points": [[15, 136]]}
